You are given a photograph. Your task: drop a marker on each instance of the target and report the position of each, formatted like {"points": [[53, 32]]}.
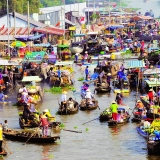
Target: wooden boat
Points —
{"points": [[116, 123], [153, 146], [105, 115], [33, 124], [86, 106], [68, 111], [103, 88], [24, 136], [4, 153], [136, 117], [142, 132]]}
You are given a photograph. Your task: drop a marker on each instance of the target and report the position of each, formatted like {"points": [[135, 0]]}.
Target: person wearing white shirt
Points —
{"points": [[64, 99], [88, 94]]}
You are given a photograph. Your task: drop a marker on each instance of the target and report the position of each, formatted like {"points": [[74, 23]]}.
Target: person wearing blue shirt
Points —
{"points": [[86, 72]]}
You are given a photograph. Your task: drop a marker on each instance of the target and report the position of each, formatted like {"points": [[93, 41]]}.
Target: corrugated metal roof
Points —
{"points": [[135, 64], [31, 21]]}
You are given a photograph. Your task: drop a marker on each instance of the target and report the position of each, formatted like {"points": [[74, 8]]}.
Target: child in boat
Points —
{"points": [[70, 103], [5, 126], [45, 124]]}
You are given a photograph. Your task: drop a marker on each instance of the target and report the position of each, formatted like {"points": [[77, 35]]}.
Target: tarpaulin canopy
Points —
{"points": [[135, 64], [114, 27], [29, 38]]}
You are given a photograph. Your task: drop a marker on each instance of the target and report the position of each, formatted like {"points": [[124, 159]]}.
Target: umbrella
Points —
{"points": [[18, 44]]}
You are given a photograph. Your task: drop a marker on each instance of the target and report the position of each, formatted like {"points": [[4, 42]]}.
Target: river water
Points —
{"points": [[97, 142]]}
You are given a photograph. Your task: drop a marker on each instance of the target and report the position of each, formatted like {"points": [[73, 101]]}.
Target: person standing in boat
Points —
{"points": [[27, 113], [114, 110], [64, 100], [119, 98], [5, 126], [87, 73], [2, 96], [44, 123], [1, 138], [151, 94]]}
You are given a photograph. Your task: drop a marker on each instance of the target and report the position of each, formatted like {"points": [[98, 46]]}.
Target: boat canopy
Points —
{"points": [[114, 27], [64, 63], [9, 63], [153, 83], [79, 35], [31, 78]]}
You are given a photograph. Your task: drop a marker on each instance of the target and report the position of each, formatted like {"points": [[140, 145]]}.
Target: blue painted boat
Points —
{"points": [[142, 132]]}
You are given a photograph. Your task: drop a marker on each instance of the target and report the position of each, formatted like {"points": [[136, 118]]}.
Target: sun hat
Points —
{"points": [[138, 101], [109, 74], [88, 90], [151, 89], [118, 91], [113, 101], [46, 110]]}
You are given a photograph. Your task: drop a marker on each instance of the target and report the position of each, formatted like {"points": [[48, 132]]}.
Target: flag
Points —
{"points": [[2, 28], [58, 24]]}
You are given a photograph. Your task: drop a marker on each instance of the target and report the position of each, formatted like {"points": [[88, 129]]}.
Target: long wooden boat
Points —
{"points": [[105, 116], [24, 136], [84, 106], [68, 111], [142, 132], [3, 153], [34, 124], [116, 123]]}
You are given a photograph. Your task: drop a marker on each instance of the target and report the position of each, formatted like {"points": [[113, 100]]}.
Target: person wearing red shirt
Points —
{"points": [[150, 95], [45, 124]]}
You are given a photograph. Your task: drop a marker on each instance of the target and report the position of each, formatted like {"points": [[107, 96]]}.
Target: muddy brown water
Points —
{"points": [[97, 142]]}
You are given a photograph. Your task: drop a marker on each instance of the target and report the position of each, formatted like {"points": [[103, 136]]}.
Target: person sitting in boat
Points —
{"points": [[85, 86], [89, 102], [24, 98], [44, 123], [114, 110], [119, 117], [70, 103], [47, 113], [2, 97], [89, 95], [25, 89], [140, 106]]}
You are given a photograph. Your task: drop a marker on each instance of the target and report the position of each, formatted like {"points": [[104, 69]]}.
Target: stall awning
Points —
{"points": [[135, 64], [8, 63], [152, 71], [29, 38], [42, 45], [153, 83]]}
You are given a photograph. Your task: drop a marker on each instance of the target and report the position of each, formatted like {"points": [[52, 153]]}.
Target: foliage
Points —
{"points": [[54, 90], [58, 90], [81, 79]]}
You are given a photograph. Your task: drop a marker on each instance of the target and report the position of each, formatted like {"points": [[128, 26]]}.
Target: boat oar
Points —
{"points": [[90, 120], [5, 143], [72, 131], [31, 136]]}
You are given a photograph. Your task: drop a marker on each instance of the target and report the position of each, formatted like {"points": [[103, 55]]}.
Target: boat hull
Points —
{"points": [[19, 136], [115, 123]]}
